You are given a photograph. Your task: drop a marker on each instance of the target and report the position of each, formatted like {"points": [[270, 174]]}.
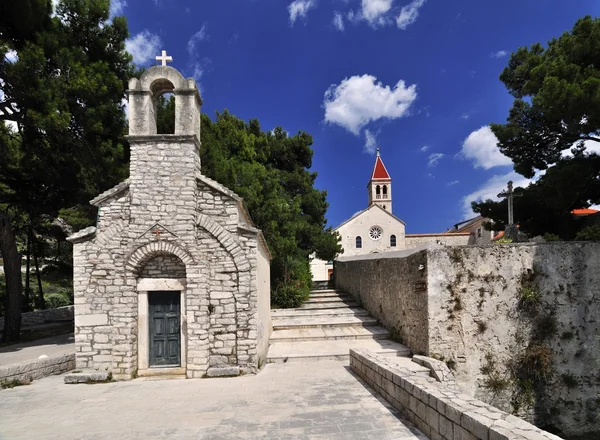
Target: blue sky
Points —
{"points": [[419, 79]]}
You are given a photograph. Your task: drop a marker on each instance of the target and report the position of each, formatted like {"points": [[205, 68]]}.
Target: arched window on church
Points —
{"points": [[165, 114], [392, 241], [377, 192], [358, 242], [385, 191]]}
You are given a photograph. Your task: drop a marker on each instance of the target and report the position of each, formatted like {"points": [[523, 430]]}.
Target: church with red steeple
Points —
{"points": [[376, 229]]}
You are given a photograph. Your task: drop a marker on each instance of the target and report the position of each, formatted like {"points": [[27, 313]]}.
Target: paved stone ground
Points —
{"points": [[29, 351], [316, 401]]}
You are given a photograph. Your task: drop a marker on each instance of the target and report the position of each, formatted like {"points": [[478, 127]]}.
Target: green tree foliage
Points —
{"points": [[270, 171], [69, 81], [546, 205], [556, 109], [557, 98]]}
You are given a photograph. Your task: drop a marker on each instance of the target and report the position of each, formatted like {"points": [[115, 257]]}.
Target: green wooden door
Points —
{"points": [[165, 334]]}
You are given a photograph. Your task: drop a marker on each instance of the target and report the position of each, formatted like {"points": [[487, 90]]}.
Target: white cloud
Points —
{"points": [[358, 100], [425, 148], [11, 56], [434, 158], [117, 7], [299, 9], [338, 21], [198, 37], [143, 47], [499, 54], [454, 182], [482, 148], [590, 147], [491, 188], [374, 11], [409, 14], [465, 116], [370, 142]]}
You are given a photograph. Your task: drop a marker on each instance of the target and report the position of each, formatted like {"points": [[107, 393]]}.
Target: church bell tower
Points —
{"points": [[380, 186]]}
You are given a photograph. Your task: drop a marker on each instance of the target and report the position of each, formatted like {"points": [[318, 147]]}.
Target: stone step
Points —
{"points": [[281, 313], [327, 291], [329, 295], [329, 305], [334, 299], [332, 350], [329, 334], [287, 323]]}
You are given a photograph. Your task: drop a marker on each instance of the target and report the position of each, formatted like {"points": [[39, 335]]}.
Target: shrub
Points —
{"points": [[590, 233], [55, 300], [295, 286], [548, 236]]}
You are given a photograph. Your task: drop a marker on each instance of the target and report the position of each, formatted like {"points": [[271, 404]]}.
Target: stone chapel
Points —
{"points": [[174, 278]]}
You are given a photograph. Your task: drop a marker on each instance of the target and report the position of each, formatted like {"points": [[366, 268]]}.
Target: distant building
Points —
{"points": [[376, 229], [474, 227]]}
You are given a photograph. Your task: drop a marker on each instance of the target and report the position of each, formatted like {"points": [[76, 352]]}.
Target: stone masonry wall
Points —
{"points": [[31, 370], [440, 412], [504, 314], [38, 317], [164, 266], [392, 289], [413, 241], [518, 323]]}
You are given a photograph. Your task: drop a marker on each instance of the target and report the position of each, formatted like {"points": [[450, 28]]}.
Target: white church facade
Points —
{"points": [[376, 229]]}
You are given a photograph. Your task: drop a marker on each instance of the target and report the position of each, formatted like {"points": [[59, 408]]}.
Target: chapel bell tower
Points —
{"points": [[163, 167], [380, 186]]}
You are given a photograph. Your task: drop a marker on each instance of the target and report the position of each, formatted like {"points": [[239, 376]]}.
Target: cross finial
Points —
{"points": [[378, 152], [164, 58]]}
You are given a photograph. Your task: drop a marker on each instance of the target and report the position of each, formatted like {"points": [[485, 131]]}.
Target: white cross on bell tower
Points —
{"points": [[164, 58]]}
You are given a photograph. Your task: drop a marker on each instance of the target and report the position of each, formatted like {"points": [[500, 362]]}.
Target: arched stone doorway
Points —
{"points": [[161, 294]]}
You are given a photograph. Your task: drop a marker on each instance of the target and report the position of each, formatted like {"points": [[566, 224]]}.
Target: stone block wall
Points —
{"points": [[264, 326], [164, 266], [417, 240], [36, 369], [393, 288], [503, 312], [503, 316], [38, 317], [440, 412]]}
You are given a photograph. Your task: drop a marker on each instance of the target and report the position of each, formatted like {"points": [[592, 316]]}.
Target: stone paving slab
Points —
{"points": [[295, 351], [307, 401], [330, 334]]}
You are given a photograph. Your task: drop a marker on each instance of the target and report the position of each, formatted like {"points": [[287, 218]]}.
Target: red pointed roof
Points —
{"points": [[379, 172]]}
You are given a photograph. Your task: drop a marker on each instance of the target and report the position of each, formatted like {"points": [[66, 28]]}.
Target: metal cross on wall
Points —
{"points": [[509, 195], [164, 58], [156, 232]]}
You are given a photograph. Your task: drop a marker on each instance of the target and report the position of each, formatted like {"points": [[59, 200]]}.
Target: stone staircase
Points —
{"points": [[326, 327]]}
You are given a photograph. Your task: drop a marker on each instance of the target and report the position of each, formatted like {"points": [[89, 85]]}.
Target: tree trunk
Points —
{"points": [[12, 272], [27, 297], [40, 303]]}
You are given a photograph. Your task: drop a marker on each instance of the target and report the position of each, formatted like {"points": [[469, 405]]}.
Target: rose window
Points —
{"points": [[375, 233]]}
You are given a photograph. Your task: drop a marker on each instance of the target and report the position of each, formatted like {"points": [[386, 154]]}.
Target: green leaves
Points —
{"points": [[557, 91], [68, 82], [270, 171]]}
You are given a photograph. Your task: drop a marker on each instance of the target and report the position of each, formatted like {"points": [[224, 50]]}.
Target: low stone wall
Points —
{"points": [[439, 411], [42, 316], [31, 370]]}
